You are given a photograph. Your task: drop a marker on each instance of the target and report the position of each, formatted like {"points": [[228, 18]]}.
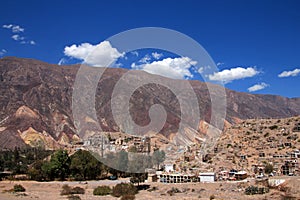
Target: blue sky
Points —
{"points": [[253, 42]]}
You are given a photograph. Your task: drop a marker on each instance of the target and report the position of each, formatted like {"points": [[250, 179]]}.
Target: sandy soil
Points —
{"points": [[188, 191]]}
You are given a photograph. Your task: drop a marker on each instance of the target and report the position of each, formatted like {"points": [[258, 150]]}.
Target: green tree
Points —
{"points": [[158, 157], [269, 168], [122, 164], [59, 164], [138, 178], [48, 171], [132, 149], [16, 155], [85, 166], [36, 172], [139, 162]]}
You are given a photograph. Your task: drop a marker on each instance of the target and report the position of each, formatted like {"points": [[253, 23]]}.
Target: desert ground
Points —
{"points": [[187, 191]]}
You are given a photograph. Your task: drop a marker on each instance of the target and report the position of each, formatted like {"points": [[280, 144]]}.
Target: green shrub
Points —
{"points": [[78, 190], [269, 168], [19, 188], [287, 197], [266, 135], [154, 188], [173, 191], [67, 190], [122, 189], [128, 197], [72, 197], [273, 127], [102, 190]]}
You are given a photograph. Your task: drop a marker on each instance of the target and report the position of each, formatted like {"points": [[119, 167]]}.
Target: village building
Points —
{"points": [[240, 175], [169, 167], [207, 177]]}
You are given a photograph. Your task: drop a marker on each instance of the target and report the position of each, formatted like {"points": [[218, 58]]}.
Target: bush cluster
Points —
{"points": [[74, 197], [128, 197], [173, 191], [67, 190], [123, 189], [102, 190], [19, 188]]}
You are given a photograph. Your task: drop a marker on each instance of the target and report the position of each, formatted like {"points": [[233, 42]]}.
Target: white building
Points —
{"points": [[169, 167], [207, 177]]}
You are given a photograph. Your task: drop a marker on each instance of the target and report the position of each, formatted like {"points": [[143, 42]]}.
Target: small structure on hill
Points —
{"points": [[207, 177], [240, 175]]}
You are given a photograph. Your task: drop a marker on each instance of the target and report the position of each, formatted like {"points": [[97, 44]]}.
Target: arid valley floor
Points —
{"points": [[187, 191]]}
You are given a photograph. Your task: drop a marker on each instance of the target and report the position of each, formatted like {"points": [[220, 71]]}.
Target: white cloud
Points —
{"points": [[14, 28], [100, 55], [23, 41], [62, 61], [17, 34], [17, 37], [135, 53], [17, 29], [177, 68], [134, 66], [232, 74], [145, 59], [219, 64], [257, 87], [295, 72], [201, 70], [8, 26], [2, 52], [156, 55]]}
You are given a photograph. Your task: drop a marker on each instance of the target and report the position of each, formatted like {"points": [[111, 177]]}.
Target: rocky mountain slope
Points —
{"points": [[36, 103], [256, 141]]}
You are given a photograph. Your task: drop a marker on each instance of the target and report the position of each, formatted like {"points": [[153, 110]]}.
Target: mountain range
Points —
{"points": [[36, 104]]}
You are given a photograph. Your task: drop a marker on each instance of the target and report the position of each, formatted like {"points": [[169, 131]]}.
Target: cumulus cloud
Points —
{"points": [[145, 59], [100, 55], [257, 87], [294, 72], [17, 37], [156, 55], [14, 28], [2, 52], [232, 74], [177, 68]]}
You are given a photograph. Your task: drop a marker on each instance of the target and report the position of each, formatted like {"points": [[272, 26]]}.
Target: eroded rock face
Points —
{"points": [[25, 112], [37, 96], [43, 140]]}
